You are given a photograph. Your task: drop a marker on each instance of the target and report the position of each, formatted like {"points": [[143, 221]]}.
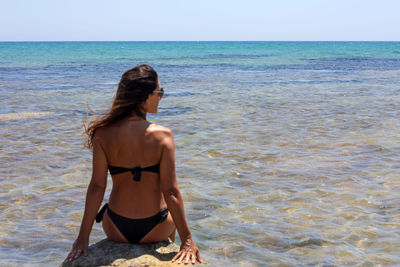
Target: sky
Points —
{"points": [[199, 20]]}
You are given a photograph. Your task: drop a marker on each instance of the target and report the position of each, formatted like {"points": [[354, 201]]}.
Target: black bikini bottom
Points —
{"points": [[133, 229]]}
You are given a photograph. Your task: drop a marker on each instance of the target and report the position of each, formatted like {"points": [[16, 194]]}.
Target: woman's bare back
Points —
{"points": [[131, 143]]}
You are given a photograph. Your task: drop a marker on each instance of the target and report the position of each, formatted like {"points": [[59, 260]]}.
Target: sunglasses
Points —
{"points": [[160, 92]]}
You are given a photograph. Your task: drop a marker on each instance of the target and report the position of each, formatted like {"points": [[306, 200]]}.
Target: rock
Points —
{"points": [[109, 253]]}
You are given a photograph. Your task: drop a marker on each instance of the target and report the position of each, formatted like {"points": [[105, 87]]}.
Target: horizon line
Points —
{"points": [[88, 41]]}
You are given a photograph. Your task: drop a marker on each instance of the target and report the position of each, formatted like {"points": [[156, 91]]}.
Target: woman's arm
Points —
{"points": [[94, 196], [173, 198]]}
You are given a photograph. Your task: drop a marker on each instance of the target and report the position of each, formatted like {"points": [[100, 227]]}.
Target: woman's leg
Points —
{"points": [[172, 236], [161, 231]]}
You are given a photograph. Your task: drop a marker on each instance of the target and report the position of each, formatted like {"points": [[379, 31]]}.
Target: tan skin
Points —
{"points": [[128, 143]]}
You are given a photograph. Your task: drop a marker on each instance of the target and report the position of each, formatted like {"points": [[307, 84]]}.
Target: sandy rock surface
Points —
{"points": [[109, 253]]}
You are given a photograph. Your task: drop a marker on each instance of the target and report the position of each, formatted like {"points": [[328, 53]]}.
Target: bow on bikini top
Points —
{"points": [[136, 171]]}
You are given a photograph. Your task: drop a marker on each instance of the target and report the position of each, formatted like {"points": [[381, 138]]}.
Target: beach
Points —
{"points": [[286, 152]]}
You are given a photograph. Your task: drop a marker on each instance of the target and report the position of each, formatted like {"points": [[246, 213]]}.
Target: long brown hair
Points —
{"points": [[134, 88]]}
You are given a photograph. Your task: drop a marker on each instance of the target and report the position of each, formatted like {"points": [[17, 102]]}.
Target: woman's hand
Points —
{"points": [[80, 246], [189, 251]]}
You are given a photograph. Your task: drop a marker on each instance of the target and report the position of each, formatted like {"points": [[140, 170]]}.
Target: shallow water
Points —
{"points": [[287, 153]]}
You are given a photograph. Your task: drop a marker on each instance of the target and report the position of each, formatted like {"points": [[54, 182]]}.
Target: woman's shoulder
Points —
{"points": [[108, 131], [160, 134], [100, 133], [155, 129]]}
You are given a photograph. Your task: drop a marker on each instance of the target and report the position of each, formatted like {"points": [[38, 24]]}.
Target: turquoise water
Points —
{"points": [[287, 152]]}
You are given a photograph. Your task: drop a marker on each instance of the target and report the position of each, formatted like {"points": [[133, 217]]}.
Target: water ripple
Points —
{"points": [[280, 161]]}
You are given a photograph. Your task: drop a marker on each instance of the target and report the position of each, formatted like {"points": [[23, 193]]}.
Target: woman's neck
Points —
{"points": [[134, 117]]}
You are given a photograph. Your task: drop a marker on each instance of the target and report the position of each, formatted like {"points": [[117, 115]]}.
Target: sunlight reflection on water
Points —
{"points": [[272, 170]]}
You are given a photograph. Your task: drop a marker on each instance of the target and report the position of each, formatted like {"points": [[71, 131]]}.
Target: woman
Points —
{"points": [[140, 158]]}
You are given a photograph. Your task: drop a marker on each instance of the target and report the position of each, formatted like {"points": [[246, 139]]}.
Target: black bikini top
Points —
{"points": [[136, 171]]}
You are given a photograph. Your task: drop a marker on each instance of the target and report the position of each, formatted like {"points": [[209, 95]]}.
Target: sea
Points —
{"points": [[287, 153]]}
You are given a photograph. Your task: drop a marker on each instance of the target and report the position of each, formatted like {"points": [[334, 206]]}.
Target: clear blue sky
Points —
{"points": [[199, 20]]}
